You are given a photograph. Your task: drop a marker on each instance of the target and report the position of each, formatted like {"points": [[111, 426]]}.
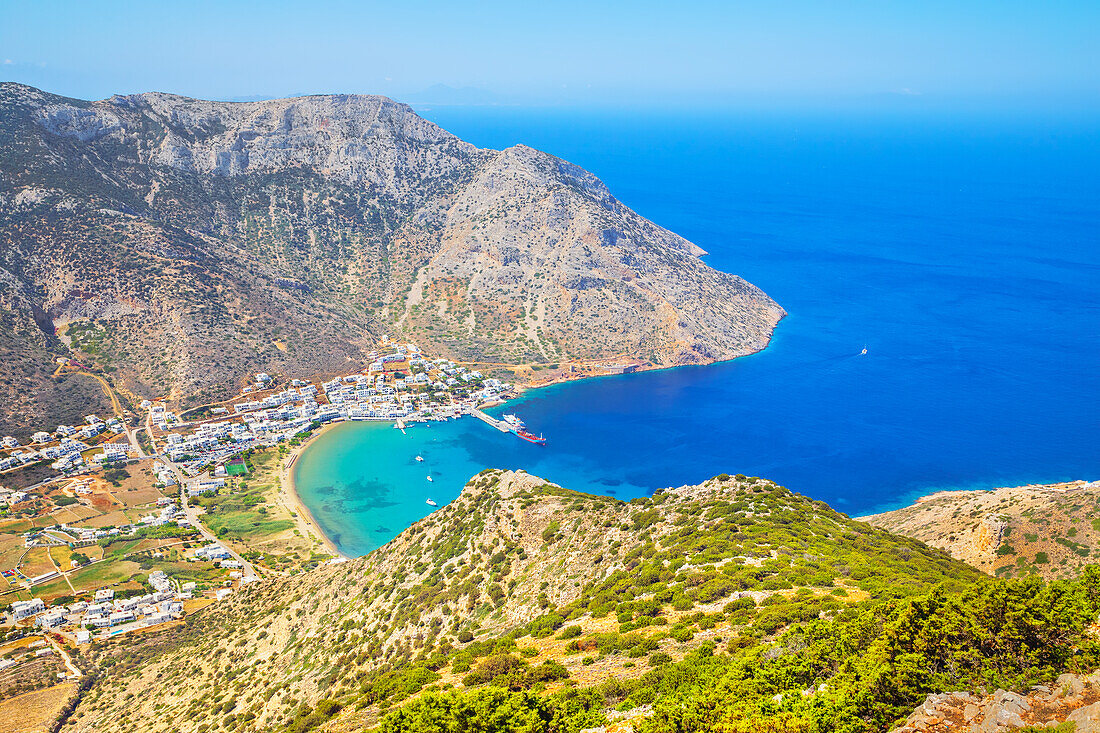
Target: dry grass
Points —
{"points": [[34, 711]]}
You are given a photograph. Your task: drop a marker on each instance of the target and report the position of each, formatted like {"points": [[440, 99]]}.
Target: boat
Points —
{"points": [[864, 352], [517, 426], [420, 459], [430, 502], [531, 437], [429, 477]]}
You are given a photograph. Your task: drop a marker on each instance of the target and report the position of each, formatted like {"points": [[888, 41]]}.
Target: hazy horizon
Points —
{"points": [[1010, 55]]}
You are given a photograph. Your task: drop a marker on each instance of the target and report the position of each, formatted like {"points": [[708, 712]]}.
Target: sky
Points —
{"points": [[563, 51]]}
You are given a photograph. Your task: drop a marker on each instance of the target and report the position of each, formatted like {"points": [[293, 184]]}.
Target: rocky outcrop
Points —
{"points": [[1074, 698], [989, 534], [180, 222]]}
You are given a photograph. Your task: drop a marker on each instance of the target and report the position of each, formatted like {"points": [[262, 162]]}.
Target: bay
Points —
{"points": [[961, 250]]}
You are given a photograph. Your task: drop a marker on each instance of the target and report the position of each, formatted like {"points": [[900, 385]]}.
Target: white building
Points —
{"points": [[159, 580], [25, 609]]}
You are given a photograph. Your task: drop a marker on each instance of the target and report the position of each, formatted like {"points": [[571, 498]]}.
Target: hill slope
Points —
{"points": [[1050, 530], [180, 243], [524, 585]]}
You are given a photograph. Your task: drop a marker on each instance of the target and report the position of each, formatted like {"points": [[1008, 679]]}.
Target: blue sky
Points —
{"points": [[563, 51]]}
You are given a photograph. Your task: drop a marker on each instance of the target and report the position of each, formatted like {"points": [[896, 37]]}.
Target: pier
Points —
{"points": [[498, 424]]}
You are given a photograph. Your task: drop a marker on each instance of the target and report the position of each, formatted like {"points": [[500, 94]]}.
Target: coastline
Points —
{"points": [[307, 522], [565, 377], [1054, 487], [289, 493]]}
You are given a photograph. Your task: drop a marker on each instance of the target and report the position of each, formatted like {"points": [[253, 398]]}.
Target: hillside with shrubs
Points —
{"points": [[732, 605]]}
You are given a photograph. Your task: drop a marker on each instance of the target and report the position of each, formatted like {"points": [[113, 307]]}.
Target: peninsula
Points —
{"points": [[290, 235]]}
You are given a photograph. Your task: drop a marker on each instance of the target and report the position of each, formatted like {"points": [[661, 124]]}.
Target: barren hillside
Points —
{"points": [[176, 244], [1050, 530]]}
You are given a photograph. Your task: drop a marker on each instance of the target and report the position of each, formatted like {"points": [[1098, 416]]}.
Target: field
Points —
{"points": [[35, 711], [237, 468], [250, 516], [119, 496], [36, 561]]}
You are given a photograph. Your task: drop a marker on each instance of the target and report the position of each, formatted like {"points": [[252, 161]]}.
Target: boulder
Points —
{"points": [[1089, 713]]}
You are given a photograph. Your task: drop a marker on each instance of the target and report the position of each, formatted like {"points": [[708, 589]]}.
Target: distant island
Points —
{"points": [[174, 246]]}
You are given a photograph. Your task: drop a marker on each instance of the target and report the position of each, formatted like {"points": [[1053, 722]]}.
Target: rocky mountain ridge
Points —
{"points": [[1072, 699], [177, 244]]}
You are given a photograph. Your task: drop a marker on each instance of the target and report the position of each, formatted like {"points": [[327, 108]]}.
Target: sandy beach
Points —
{"points": [[307, 523]]}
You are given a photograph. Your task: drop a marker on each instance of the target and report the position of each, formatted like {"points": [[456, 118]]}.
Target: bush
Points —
{"points": [[497, 710], [500, 668]]}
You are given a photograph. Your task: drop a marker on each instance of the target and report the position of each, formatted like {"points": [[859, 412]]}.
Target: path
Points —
{"points": [[116, 405], [192, 514], [74, 671]]}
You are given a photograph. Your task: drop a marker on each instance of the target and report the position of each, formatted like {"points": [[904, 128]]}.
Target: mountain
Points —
{"points": [[1046, 530], [178, 244], [733, 605]]}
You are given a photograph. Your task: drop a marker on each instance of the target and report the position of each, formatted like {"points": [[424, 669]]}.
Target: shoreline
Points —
{"points": [[1055, 487], [308, 522], [639, 368], [288, 493]]}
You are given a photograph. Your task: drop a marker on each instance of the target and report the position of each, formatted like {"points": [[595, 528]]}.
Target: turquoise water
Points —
{"points": [[963, 253]]}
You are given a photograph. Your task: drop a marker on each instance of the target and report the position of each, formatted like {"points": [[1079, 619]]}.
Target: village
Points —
{"points": [[400, 387], [116, 537]]}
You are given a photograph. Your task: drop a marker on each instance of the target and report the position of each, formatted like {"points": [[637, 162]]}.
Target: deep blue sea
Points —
{"points": [[962, 251]]}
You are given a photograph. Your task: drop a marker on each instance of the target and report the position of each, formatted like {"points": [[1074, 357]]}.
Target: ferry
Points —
{"points": [[430, 502], [517, 426]]}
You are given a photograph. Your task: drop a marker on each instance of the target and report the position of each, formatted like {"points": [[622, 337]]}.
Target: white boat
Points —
{"points": [[864, 352], [429, 478], [430, 502], [420, 459]]}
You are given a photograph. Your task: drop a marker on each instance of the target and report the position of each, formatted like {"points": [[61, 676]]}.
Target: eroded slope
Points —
{"points": [[186, 242]]}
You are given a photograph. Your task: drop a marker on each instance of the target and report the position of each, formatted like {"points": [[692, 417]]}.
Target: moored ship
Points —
{"points": [[518, 427]]}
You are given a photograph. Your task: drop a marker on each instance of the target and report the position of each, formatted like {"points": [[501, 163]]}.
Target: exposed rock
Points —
{"points": [[1086, 718], [1045, 529], [1073, 697], [173, 225]]}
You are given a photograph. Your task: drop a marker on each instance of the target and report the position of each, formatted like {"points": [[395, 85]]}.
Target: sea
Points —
{"points": [[961, 250]]}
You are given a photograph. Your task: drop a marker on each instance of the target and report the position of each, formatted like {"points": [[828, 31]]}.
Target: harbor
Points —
{"points": [[509, 424]]}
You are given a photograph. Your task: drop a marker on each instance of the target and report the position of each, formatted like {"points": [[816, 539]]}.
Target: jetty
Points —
{"points": [[498, 424], [510, 424]]}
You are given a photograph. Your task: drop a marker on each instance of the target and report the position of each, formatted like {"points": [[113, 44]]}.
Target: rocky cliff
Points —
{"points": [[178, 243]]}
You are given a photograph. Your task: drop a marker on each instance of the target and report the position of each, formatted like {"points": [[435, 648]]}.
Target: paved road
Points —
{"points": [[192, 514]]}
